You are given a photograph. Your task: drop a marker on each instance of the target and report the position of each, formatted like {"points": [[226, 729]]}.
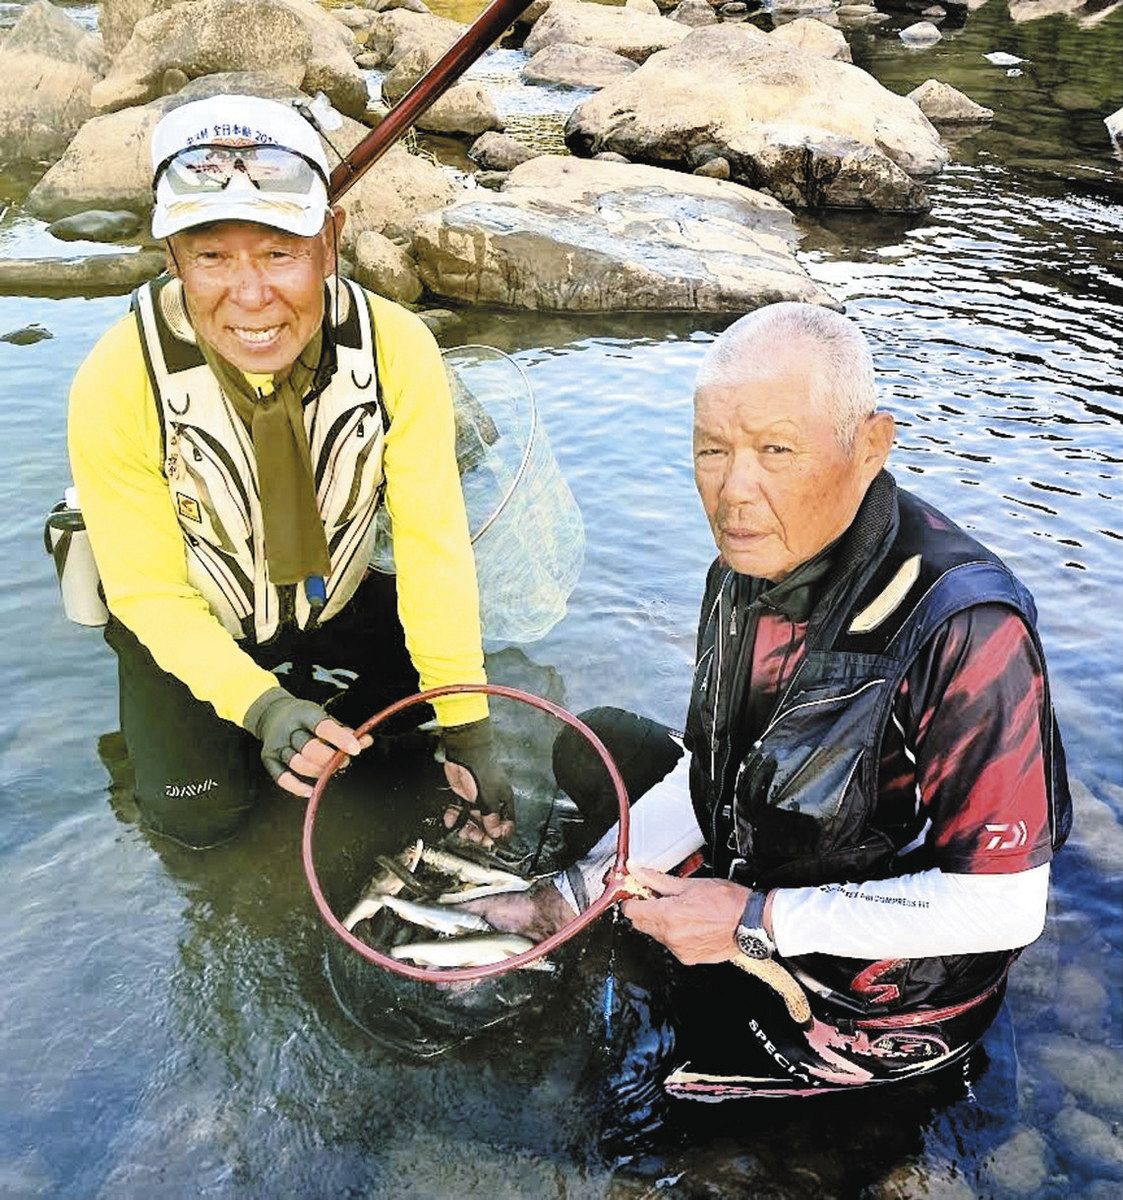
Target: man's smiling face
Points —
{"points": [[254, 293]]}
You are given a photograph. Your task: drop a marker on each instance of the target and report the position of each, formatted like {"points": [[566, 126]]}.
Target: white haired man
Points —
{"points": [[232, 441], [876, 781]]}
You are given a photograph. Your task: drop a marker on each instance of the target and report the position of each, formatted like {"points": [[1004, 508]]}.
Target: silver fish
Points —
{"points": [[440, 920], [386, 881], [475, 951], [482, 881]]}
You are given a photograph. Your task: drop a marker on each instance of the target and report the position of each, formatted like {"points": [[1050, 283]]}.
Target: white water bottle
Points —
{"points": [[68, 543]]}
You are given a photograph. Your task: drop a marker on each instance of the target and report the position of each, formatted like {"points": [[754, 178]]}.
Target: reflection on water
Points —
{"points": [[168, 1025]]}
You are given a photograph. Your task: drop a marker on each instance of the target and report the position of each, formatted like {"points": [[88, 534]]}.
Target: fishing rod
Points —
{"points": [[486, 29]]}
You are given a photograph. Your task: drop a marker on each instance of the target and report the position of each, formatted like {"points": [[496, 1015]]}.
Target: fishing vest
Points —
{"points": [[800, 808], [211, 469]]}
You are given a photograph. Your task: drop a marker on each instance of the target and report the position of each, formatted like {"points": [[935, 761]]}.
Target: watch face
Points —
{"points": [[751, 942]]}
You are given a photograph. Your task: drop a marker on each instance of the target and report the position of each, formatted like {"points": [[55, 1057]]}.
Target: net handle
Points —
{"points": [[614, 881]]}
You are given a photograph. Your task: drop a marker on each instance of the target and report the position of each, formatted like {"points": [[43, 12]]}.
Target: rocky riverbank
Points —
{"points": [[700, 129]]}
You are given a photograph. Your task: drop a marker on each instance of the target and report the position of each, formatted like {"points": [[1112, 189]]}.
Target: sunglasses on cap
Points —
{"points": [[211, 168]]}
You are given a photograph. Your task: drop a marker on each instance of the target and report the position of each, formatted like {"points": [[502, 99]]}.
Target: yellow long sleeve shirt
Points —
{"points": [[116, 457]]}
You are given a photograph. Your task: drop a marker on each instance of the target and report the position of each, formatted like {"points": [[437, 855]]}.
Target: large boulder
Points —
{"points": [[597, 236], [569, 65], [48, 67], [295, 40], [107, 165], [635, 35], [117, 19], [385, 268], [94, 275], [465, 109], [393, 35], [944, 105], [810, 131], [815, 37]]}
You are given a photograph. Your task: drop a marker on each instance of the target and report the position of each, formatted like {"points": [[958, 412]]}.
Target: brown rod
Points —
{"points": [[487, 28]]}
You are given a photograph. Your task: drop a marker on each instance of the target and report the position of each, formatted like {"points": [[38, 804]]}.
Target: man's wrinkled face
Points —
{"points": [[256, 294], [775, 482]]}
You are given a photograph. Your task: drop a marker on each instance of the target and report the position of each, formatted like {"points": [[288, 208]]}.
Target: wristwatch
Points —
{"points": [[750, 935]]}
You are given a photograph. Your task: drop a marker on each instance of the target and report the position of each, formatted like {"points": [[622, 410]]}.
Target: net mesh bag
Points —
{"points": [[527, 533]]}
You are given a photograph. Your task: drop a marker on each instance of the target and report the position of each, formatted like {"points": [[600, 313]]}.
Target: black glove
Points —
{"points": [[472, 747], [284, 725]]}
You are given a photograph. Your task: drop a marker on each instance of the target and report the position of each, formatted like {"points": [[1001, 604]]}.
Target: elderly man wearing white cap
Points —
{"points": [[232, 440]]}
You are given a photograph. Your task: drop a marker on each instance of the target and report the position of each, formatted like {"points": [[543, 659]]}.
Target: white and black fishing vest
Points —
{"points": [[211, 469]]}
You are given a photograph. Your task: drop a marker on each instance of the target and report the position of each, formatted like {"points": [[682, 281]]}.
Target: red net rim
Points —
{"points": [[607, 898]]}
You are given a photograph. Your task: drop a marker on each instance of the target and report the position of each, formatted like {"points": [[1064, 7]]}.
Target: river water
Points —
{"points": [[167, 1023]]}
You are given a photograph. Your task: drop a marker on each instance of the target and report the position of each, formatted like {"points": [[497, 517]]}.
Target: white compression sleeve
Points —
{"points": [[664, 832], [912, 916]]}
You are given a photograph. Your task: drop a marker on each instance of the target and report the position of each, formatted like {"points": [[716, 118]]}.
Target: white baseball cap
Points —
{"points": [[238, 158]]}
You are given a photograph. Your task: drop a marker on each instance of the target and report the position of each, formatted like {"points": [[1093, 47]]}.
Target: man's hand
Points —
{"points": [[535, 914], [298, 738], [476, 776], [694, 918]]}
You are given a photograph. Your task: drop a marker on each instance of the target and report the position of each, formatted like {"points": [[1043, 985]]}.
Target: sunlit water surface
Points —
{"points": [[166, 1027]]}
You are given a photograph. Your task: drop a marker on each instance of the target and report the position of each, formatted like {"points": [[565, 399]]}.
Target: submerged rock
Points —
{"points": [[27, 336], [570, 65], [1095, 1143], [1035, 10], [97, 274], [1092, 1073], [1019, 1166], [593, 236], [944, 105], [95, 225], [810, 131], [48, 68]]}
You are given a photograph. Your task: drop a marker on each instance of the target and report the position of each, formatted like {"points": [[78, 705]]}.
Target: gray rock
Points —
{"points": [[714, 168], [694, 13], [1094, 1142], [790, 8], [385, 268], [923, 33], [107, 165], [1035, 10], [48, 68], [393, 35], [934, 13], [813, 37], [174, 80], [416, 6], [944, 105], [611, 156], [1092, 1073], [736, 9], [643, 6], [27, 336], [368, 60], [1019, 1167], [466, 108], [498, 152], [810, 131], [626, 31], [493, 180], [117, 18], [96, 275], [1083, 1003], [439, 319], [594, 236], [284, 38], [569, 65], [95, 225]]}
